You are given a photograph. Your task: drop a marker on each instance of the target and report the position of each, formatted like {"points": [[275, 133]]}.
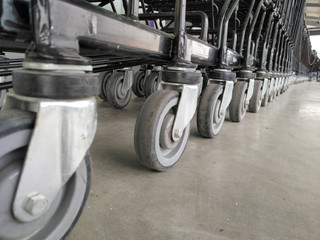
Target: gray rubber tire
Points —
{"points": [[115, 96], [151, 84], [153, 132], [209, 123], [237, 107], [255, 101], [15, 131], [103, 78], [138, 84]]}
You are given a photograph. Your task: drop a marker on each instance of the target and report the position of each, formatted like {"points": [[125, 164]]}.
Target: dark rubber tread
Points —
{"points": [[103, 79], [138, 84], [206, 108], [151, 84], [236, 105]]}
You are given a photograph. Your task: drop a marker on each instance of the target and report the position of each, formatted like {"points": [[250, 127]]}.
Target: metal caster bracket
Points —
{"points": [[227, 95], [272, 86], [250, 89], [147, 73], [276, 85], [264, 88], [187, 105], [128, 79], [63, 133]]}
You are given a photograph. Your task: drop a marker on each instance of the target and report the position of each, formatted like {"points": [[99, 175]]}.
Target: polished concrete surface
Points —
{"points": [[259, 179]]}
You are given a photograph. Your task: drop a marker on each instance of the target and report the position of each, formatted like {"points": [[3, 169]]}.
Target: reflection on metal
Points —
{"points": [[127, 81], [55, 67], [250, 91]]}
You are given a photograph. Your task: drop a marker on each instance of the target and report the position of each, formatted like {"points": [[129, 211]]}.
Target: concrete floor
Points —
{"points": [[259, 179]]}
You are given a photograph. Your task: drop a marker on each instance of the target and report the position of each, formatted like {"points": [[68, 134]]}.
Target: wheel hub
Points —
{"points": [[166, 140]]}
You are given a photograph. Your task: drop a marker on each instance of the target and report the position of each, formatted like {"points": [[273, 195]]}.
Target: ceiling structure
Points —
{"points": [[312, 16]]}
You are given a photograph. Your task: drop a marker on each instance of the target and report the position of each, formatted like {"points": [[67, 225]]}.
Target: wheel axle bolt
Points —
{"points": [[178, 133], [36, 204]]}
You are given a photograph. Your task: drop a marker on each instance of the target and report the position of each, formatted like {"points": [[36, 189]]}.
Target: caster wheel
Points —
{"points": [[64, 211], [151, 84], [138, 84], [153, 132], [116, 97], [278, 90], [271, 96], [283, 89], [209, 122], [104, 77], [255, 101], [238, 106]]}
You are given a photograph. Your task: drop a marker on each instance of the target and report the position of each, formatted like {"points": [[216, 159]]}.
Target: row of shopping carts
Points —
{"points": [[203, 58]]}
